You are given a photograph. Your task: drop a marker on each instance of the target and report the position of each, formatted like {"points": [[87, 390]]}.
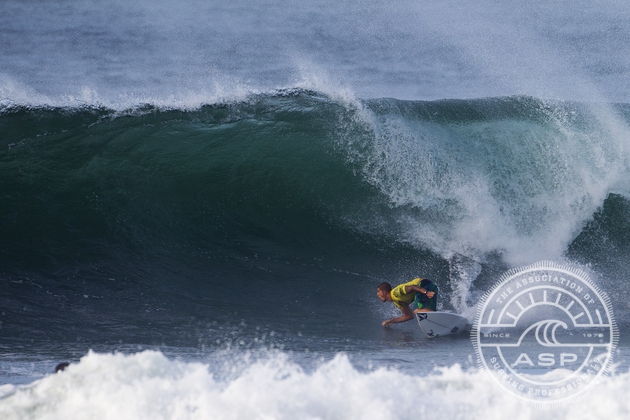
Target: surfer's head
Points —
{"points": [[383, 291], [61, 366]]}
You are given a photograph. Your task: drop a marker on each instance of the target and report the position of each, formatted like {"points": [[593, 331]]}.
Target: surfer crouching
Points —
{"points": [[420, 293]]}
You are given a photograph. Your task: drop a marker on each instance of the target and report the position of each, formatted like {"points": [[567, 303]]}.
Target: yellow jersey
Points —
{"points": [[400, 298]]}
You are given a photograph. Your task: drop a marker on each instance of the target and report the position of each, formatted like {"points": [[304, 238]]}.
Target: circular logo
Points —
{"points": [[545, 334]]}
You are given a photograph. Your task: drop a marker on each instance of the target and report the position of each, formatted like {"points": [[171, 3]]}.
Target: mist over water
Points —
{"points": [[120, 54]]}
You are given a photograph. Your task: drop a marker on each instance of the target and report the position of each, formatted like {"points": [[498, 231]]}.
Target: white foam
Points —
{"points": [[517, 187], [218, 88], [149, 386]]}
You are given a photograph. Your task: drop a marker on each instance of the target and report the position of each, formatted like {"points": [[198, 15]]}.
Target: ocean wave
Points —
{"points": [[174, 204]]}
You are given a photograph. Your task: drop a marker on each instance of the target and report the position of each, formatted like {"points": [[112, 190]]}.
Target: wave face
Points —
{"points": [[143, 222]]}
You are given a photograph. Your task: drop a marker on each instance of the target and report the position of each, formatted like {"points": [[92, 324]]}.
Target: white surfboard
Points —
{"points": [[437, 324]]}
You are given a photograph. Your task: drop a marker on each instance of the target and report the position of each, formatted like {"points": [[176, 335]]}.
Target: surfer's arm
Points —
{"points": [[418, 289], [406, 316]]}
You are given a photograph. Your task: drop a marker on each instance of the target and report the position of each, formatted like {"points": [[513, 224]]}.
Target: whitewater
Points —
{"points": [[149, 386], [198, 200]]}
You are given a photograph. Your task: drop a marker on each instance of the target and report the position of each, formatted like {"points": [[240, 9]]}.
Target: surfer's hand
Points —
{"points": [[387, 322], [430, 294]]}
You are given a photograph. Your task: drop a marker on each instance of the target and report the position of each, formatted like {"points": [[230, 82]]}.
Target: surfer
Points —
{"points": [[420, 293]]}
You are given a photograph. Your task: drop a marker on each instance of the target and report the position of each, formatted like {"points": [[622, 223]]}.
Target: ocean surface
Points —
{"points": [[199, 198]]}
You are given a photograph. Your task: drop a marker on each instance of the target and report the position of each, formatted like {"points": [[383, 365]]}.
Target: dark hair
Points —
{"points": [[61, 366], [386, 287]]}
